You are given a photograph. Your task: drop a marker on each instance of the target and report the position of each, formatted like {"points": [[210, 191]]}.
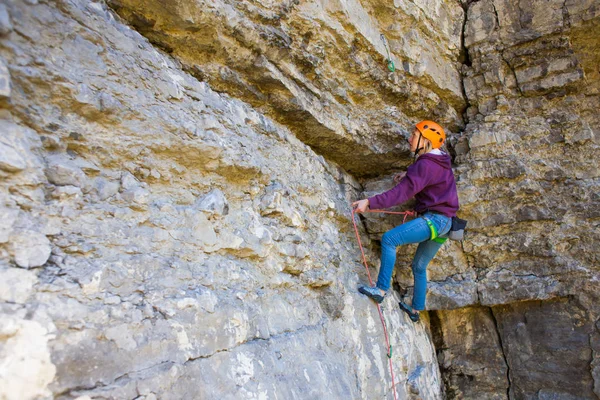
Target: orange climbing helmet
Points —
{"points": [[433, 132]]}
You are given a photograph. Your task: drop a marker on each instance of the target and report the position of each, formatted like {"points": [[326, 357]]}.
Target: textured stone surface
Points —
{"points": [[16, 285], [4, 76], [470, 354], [5, 24], [547, 347], [196, 246], [523, 350], [26, 369], [530, 192], [10, 161], [193, 206], [319, 67], [30, 249], [8, 217]]}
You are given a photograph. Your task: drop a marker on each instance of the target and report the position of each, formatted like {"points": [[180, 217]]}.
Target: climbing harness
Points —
{"points": [[434, 231], [385, 331], [390, 63]]}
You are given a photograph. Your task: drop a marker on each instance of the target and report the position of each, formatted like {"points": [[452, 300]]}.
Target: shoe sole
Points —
{"points": [[376, 298], [413, 317]]}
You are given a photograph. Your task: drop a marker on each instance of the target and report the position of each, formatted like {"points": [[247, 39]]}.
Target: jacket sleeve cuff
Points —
{"points": [[373, 203]]}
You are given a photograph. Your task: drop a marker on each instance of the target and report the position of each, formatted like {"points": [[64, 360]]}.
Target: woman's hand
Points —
{"points": [[361, 205], [398, 177]]}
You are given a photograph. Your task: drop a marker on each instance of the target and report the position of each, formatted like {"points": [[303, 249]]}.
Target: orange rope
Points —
{"points": [[387, 340]]}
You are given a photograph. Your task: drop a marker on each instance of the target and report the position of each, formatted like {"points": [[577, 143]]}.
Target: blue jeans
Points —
{"points": [[415, 231]]}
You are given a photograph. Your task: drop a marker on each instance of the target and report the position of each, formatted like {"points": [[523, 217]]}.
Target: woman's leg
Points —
{"points": [[425, 253], [414, 231]]}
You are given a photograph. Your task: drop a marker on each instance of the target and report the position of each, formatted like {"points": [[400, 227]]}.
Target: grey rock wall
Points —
{"points": [[161, 240], [528, 181], [528, 184], [520, 351], [175, 180], [470, 353]]}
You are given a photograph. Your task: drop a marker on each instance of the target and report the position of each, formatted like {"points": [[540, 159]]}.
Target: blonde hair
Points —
{"points": [[427, 146]]}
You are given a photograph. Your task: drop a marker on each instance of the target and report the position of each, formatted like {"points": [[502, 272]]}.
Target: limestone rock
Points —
{"points": [[452, 293], [203, 232], [275, 202], [489, 352], [128, 152], [137, 196], [67, 192], [8, 217], [105, 188], [160, 286], [27, 369], [246, 235], [470, 354], [16, 285], [554, 335], [62, 171], [128, 181], [214, 202], [5, 24], [16, 144], [306, 97], [4, 73], [31, 249]]}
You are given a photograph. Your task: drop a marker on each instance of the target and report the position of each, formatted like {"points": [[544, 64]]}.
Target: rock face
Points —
{"points": [[529, 188], [523, 350], [26, 369], [470, 353], [175, 180], [162, 240], [319, 67]]}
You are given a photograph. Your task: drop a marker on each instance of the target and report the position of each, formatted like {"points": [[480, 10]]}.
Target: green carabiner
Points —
{"points": [[390, 63], [391, 66]]}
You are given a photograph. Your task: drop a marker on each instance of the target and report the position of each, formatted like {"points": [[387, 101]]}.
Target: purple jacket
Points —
{"points": [[430, 180]]}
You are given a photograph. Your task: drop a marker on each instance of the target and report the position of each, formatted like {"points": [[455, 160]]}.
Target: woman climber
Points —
{"points": [[431, 181]]}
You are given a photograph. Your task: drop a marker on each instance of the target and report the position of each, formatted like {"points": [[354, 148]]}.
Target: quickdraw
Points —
{"points": [[390, 63]]}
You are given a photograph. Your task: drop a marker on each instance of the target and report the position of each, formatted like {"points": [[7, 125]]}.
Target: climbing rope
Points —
{"points": [[390, 63], [385, 331]]}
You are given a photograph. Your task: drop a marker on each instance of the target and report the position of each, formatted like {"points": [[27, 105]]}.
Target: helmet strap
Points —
{"points": [[418, 148]]}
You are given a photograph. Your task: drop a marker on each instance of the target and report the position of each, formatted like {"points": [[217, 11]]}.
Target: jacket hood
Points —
{"points": [[443, 160]]}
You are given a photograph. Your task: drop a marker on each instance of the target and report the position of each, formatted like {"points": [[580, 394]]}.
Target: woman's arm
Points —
{"points": [[416, 179]]}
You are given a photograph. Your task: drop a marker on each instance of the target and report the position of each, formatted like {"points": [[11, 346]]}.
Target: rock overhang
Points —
{"points": [[320, 69]]}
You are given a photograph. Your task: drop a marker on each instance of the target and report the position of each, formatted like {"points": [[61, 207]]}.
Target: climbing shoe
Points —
{"points": [[414, 316], [372, 292]]}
